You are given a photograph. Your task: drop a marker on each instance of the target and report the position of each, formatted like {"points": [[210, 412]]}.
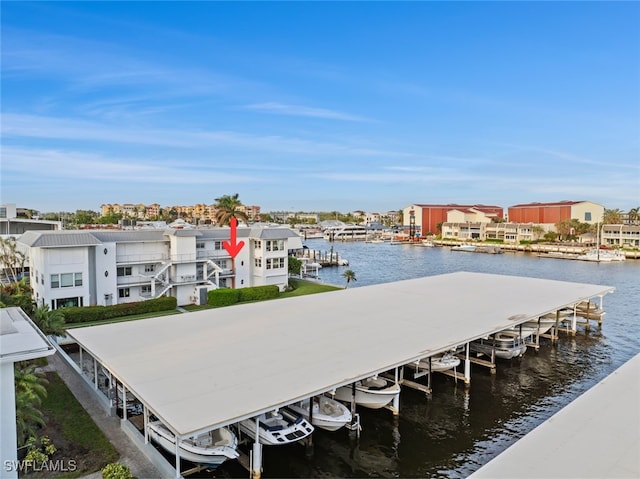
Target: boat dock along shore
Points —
{"points": [[229, 365]]}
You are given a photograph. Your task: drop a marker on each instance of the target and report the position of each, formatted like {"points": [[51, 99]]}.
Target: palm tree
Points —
{"points": [[634, 215], [49, 322], [228, 207], [30, 391], [349, 275], [12, 259], [612, 217]]}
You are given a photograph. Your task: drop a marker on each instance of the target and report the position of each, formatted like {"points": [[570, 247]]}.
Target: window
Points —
{"points": [[257, 244], [199, 245], [146, 289], [66, 303], [258, 262], [149, 268], [275, 263], [124, 271], [587, 216], [123, 293], [275, 245], [65, 280], [217, 245]]}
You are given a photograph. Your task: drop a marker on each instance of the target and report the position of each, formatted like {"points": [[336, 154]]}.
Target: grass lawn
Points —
{"points": [[131, 317], [302, 286], [73, 432], [307, 287]]}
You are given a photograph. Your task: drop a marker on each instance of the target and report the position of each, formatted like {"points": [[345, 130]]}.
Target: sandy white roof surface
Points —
{"points": [[214, 367], [20, 339], [596, 436]]}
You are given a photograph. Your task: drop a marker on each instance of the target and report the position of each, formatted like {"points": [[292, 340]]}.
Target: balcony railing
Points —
{"points": [[141, 258]]}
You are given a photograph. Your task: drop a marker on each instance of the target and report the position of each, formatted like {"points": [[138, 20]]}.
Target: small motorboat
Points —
{"points": [[277, 427], [373, 393], [328, 413], [589, 309], [440, 362], [506, 344], [210, 448]]}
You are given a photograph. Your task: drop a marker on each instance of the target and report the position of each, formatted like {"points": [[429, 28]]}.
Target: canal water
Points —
{"points": [[458, 430]]}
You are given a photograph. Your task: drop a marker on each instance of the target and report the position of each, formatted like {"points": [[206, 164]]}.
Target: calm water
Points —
{"points": [[458, 429]]}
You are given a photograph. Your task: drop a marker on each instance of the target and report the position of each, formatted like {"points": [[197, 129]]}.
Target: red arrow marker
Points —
{"points": [[233, 247]]}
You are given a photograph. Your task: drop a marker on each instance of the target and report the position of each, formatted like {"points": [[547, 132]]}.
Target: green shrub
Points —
{"points": [[259, 293], [223, 297], [115, 470], [100, 313], [226, 297]]}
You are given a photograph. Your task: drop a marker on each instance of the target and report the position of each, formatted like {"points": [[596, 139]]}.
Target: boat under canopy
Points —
{"points": [[208, 369]]}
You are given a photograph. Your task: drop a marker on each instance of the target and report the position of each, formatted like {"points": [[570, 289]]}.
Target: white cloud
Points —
{"points": [[32, 126], [300, 110]]}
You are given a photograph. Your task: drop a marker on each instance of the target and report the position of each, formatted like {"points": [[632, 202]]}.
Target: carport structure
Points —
{"points": [[212, 368]]}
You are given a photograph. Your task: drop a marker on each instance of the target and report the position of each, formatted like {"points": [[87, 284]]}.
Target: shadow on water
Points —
{"points": [[457, 430]]}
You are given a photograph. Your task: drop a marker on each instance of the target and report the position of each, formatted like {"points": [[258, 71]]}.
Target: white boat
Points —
{"points": [[428, 243], [508, 345], [277, 427], [541, 325], [535, 326], [440, 362], [346, 233], [210, 448], [310, 232], [372, 393], [376, 241], [464, 247], [328, 413], [602, 255], [589, 309]]}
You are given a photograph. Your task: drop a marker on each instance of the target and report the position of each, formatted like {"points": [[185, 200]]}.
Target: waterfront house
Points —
{"points": [[100, 267]]}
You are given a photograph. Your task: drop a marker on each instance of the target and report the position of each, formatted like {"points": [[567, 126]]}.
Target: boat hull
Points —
{"points": [[275, 430], [440, 363], [328, 414], [508, 345], [367, 396], [212, 455]]}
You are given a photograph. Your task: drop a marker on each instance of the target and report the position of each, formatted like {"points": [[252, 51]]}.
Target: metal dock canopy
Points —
{"points": [[210, 368]]}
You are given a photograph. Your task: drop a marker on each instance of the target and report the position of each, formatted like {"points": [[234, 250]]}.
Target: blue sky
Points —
{"points": [[320, 105]]}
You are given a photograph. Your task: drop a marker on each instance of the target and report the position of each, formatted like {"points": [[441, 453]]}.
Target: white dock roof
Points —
{"points": [[20, 339], [214, 367], [596, 436]]}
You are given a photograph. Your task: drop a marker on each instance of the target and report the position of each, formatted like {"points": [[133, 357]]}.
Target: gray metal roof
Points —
{"points": [[57, 239], [206, 369], [182, 232], [129, 236], [272, 233], [52, 239]]}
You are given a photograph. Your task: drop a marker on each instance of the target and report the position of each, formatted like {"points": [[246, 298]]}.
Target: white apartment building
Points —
{"points": [[472, 224], [621, 235], [100, 267], [465, 224]]}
